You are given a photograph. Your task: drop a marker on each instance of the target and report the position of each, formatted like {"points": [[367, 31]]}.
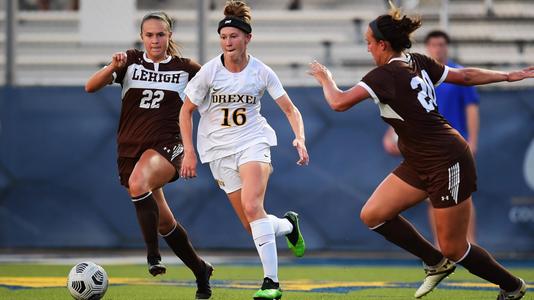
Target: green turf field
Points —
{"points": [[132, 282]]}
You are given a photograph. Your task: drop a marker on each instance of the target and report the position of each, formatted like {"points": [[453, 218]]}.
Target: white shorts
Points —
{"points": [[226, 170]]}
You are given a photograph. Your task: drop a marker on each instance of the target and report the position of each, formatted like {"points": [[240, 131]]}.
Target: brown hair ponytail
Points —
{"points": [[238, 9], [396, 28]]}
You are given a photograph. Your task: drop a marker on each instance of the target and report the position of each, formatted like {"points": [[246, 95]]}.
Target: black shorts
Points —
{"points": [[172, 150], [445, 186]]}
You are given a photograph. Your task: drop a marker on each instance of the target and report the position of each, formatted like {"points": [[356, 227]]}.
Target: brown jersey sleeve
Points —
{"points": [[118, 76], [434, 68], [381, 82]]}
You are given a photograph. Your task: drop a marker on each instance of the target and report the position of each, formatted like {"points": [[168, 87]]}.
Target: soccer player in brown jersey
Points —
{"points": [[149, 143], [437, 161]]}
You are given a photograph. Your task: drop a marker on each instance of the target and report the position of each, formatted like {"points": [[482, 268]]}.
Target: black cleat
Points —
{"points": [[155, 267], [203, 282]]}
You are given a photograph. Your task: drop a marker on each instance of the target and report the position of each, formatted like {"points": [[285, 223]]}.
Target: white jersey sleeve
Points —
{"points": [[197, 89], [274, 86]]}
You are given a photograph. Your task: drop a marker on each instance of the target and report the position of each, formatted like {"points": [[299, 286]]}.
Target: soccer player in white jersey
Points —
{"points": [[235, 139]]}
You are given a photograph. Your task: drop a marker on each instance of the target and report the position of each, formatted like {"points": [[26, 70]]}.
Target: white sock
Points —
{"points": [[281, 226], [264, 239]]}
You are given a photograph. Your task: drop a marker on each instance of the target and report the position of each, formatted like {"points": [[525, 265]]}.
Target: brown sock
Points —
{"points": [[179, 242], [480, 263], [401, 233], [148, 218]]}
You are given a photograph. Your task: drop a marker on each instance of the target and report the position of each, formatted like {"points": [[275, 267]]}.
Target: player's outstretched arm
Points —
{"points": [[297, 125], [104, 76], [337, 99], [189, 162], [476, 76]]}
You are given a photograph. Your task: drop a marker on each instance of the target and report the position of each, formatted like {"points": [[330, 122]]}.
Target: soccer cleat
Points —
{"points": [[203, 282], [434, 275], [515, 295], [295, 241], [269, 290], [155, 267]]}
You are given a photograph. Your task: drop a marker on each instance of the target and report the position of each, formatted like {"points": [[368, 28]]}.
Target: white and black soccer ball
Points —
{"points": [[87, 281]]}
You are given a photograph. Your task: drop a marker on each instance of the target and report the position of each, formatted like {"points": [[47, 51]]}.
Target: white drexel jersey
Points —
{"points": [[229, 106]]}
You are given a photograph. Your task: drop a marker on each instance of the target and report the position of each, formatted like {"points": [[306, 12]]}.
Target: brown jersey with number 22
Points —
{"points": [[152, 95]]}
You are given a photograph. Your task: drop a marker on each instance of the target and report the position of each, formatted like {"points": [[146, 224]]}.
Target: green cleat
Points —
{"points": [[269, 290], [295, 241]]}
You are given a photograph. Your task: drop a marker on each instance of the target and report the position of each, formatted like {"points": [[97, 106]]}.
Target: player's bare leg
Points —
{"points": [[381, 214], [254, 178], [452, 227], [235, 200], [452, 232], [471, 229], [287, 226], [282, 226], [151, 172], [432, 224], [389, 199]]}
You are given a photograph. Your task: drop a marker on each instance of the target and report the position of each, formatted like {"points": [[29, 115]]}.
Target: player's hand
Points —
{"points": [[521, 74], [189, 165], [118, 60], [320, 72], [304, 159]]}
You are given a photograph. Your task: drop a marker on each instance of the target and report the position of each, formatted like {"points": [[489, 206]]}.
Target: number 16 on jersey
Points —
{"points": [[239, 116]]}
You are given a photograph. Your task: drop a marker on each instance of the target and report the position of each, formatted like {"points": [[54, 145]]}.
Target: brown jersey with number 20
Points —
{"points": [[404, 91]]}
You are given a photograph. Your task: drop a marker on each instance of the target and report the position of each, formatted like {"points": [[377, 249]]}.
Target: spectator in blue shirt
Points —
{"points": [[458, 104]]}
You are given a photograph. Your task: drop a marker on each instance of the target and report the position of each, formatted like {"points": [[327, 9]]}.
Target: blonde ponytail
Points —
{"points": [[173, 49]]}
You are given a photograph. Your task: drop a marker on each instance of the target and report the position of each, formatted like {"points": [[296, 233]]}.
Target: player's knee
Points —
{"points": [[137, 184], [452, 249], [253, 210], [370, 217]]}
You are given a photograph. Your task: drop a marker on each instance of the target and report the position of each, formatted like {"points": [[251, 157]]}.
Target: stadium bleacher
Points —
{"points": [[51, 50]]}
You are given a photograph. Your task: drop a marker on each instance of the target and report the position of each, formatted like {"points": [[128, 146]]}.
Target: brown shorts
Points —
{"points": [[445, 186], [173, 151]]}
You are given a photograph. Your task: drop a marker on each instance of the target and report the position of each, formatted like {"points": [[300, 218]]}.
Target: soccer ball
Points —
{"points": [[87, 281]]}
